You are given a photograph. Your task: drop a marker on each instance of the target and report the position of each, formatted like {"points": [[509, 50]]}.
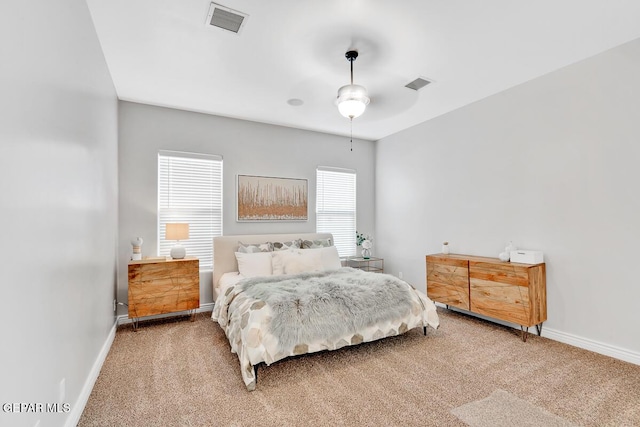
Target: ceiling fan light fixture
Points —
{"points": [[352, 100]]}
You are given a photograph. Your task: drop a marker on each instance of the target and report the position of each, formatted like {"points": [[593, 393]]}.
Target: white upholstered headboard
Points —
{"points": [[224, 248]]}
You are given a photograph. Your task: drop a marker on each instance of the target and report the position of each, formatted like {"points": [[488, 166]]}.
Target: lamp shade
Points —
{"points": [[352, 100], [177, 231]]}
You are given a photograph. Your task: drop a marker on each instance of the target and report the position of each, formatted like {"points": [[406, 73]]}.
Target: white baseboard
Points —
{"points": [[124, 318], [574, 340], [591, 345], [83, 398]]}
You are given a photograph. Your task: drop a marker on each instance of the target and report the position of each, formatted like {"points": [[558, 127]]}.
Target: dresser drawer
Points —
{"points": [[448, 281], [506, 272], [507, 291]]}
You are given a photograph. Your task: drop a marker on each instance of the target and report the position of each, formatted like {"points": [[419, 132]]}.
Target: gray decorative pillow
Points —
{"points": [[283, 246], [315, 244], [255, 247]]}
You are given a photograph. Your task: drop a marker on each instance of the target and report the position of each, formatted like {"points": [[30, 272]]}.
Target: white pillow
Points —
{"points": [[277, 262], [254, 264], [330, 258], [296, 261]]}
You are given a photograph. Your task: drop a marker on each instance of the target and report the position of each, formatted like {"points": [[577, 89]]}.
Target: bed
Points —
{"points": [[283, 295]]}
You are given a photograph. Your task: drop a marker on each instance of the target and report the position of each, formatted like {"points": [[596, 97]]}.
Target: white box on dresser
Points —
{"points": [[526, 257]]}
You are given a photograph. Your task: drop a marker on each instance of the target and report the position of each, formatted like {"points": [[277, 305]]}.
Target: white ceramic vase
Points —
{"points": [[510, 247], [445, 248], [366, 249]]}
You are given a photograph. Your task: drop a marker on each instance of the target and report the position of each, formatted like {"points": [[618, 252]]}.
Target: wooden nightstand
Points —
{"points": [[163, 286], [372, 264]]}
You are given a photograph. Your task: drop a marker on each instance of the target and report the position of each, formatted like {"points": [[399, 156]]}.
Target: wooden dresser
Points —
{"points": [[507, 291], [163, 286]]}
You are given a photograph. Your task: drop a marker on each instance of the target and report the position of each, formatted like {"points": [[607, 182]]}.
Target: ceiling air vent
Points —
{"points": [[418, 83], [225, 18]]}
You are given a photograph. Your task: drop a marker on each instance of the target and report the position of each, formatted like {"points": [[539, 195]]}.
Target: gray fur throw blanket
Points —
{"points": [[331, 304]]}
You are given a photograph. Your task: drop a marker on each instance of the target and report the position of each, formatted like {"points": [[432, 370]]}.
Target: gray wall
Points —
{"points": [[58, 153], [247, 148], [552, 165]]}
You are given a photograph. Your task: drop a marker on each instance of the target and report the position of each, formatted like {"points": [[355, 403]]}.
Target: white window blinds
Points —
{"points": [[190, 190], [336, 207]]}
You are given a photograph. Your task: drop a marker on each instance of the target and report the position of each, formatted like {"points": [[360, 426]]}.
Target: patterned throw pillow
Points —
{"points": [[315, 244], [283, 246], [255, 247]]}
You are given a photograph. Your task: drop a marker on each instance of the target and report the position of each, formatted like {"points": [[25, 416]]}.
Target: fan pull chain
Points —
{"points": [[351, 123]]}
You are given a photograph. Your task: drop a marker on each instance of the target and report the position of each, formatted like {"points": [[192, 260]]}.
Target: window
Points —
{"points": [[190, 190], [336, 207]]}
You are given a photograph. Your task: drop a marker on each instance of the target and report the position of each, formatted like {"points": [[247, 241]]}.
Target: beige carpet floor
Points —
{"points": [[503, 409], [181, 373]]}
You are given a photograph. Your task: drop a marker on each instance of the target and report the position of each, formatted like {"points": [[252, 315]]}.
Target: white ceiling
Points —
{"points": [[161, 52]]}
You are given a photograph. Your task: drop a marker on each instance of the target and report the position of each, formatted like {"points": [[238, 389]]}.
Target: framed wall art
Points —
{"points": [[263, 198]]}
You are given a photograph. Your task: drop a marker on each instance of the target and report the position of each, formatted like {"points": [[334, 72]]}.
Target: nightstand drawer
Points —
{"points": [[161, 287]]}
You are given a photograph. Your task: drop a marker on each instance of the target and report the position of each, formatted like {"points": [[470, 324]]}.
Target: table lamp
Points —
{"points": [[177, 232]]}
